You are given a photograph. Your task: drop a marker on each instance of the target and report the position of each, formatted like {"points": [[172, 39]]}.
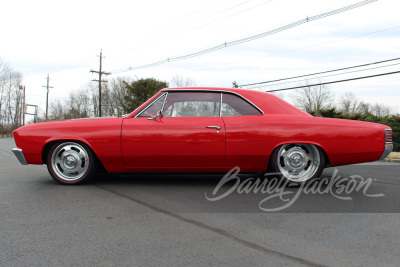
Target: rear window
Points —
{"points": [[233, 105]]}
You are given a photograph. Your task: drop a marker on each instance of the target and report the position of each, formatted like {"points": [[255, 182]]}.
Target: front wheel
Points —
{"points": [[71, 163], [297, 163]]}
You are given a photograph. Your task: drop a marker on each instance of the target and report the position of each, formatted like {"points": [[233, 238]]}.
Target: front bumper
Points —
{"points": [[20, 155], [388, 150]]}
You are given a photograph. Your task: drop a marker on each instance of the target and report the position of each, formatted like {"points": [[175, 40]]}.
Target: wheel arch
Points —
{"points": [[51, 142], [327, 162]]}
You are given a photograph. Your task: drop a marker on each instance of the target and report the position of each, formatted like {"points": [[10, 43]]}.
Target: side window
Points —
{"points": [[192, 104], [154, 108], [233, 105]]}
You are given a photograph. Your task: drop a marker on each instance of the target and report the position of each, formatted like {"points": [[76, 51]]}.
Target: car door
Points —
{"points": [[190, 135], [245, 139]]}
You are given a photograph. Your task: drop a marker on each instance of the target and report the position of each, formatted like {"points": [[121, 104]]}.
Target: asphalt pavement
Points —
{"points": [[350, 217]]}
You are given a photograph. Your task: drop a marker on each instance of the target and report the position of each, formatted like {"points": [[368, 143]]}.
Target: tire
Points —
{"points": [[297, 163], [71, 163]]}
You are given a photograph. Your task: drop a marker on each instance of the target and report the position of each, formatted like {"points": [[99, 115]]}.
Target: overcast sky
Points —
{"points": [[63, 38]]}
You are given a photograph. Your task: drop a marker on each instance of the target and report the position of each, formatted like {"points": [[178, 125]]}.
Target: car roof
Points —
{"points": [[268, 103], [236, 90]]}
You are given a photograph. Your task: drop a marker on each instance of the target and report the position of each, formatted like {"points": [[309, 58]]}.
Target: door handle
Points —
{"points": [[216, 127]]}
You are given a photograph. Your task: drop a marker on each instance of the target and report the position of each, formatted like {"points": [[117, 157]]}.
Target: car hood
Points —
{"points": [[68, 127]]}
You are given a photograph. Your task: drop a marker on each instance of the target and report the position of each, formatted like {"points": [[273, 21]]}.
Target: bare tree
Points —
{"points": [[115, 96], [93, 91], [2, 87], [348, 103], [313, 98], [84, 103], [10, 98], [381, 110], [351, 105], [364, 107], [179, 81], [56, 111]]}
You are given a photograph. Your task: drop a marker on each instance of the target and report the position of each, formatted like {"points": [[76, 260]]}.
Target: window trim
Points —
{"points": [[245, 100], [216, 91], [209, 91], [165, 101], [220, 105], [152, 102], [165, 92]]}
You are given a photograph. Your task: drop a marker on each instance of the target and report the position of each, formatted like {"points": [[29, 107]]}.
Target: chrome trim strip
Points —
{"points": [[165, 101], [215, 91], [388, 150], [20, 155], [149, 105], [220, 106]]}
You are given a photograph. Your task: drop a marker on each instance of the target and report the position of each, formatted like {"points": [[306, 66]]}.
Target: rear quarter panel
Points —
{"points": [[251, 140]]}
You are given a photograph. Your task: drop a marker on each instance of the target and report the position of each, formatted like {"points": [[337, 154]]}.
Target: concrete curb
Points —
{"points": [[392, 160]]}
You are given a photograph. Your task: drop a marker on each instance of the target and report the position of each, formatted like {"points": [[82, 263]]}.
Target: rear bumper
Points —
{"points": [[388, 150], [20, 155]]}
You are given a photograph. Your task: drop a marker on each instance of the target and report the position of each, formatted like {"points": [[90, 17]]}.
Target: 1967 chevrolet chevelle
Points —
{"points": [[202, 130]]}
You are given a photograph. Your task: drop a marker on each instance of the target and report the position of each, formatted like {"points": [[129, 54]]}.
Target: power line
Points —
{"points": [[322, 72], [88, 59], [220, 12], [237, 13], [169, 36], [390, 65], [339, 81], [296, 49], [184, 17], [251, 38]]}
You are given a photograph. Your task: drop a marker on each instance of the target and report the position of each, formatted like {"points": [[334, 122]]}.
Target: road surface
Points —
{"points": [[168, 220]]}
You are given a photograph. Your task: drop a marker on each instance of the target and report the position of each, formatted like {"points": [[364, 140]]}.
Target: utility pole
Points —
{"points": [[23, 105], [100, 72], [24, 110], [47, 98]]}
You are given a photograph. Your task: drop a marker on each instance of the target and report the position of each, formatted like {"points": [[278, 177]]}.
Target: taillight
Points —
{"points": [[388, 136]]}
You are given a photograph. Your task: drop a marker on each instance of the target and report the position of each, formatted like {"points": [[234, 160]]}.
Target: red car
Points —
{"points": [[202, 130]]}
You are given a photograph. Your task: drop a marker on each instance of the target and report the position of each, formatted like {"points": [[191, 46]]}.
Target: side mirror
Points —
{"points": [[158, 115]]}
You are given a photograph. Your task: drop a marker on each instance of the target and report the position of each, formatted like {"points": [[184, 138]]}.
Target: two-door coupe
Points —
{"points": [[202, 130]]}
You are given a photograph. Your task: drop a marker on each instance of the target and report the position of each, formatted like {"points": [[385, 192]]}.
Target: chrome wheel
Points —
{"points": [[298, 162], [70, 162]]}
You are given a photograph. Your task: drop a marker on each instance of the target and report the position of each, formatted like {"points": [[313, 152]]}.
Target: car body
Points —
{"points": [[202, 130]]}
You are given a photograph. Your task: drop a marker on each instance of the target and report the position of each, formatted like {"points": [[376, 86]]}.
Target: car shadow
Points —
{"points": [[165, 179], [200, 193]]}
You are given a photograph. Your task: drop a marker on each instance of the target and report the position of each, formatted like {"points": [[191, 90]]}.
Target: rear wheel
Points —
{"points": [[71, 163], [297, 163]]}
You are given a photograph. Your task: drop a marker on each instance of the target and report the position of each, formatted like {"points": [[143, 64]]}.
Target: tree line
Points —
{"points": [[84, 103], [121, 95], [319, 101], [11, 98]]}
